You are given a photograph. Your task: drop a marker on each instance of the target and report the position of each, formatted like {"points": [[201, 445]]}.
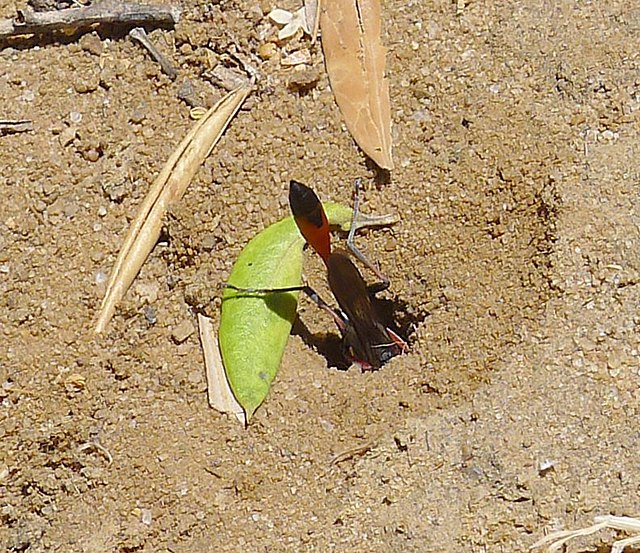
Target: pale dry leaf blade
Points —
{"points": [[150, 200], [355, 61], [288, 30], [219, 392], [168, 188]]}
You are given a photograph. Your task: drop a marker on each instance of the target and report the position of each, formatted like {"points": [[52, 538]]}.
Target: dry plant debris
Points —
{"points": [[312, 16], [167, 189], [355, 60], [139, 35], [219, 392], [556, 540], [291, 22], [86, 18], [10, 126]]}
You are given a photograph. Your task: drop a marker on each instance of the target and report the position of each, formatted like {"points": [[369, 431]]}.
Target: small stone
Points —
{"points": [[91, 154], [299, 57], [150, 314], [67, 136], [267, 51], [70, 209], [148, 291], [182, 331], [146, 517], [86, 80], [227, 77], [614, 361], [139, 114], [545, 467], [116, 192], [305, 80], [91, 43], [28, 96]]}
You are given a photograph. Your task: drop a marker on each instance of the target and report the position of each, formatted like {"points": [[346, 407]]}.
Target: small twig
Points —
{"points": [[350, 453], [8, 126], [97, 447], [138, 34], [73, 20]]}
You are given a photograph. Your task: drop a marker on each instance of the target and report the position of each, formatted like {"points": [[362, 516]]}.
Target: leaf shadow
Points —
{"points": [[281, 303]]}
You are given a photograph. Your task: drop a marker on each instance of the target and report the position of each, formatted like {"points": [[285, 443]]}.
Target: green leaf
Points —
{"points": [[254, 327]]}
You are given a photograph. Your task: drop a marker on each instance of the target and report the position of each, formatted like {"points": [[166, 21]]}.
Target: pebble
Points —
{"points": [[181, 332], [139, 114], [91, 43], [67, 136], [150, 314], [28, 96], [86, 80], [115, 191], [91, 154], [146, 517], [267, 50], [148, 291]]}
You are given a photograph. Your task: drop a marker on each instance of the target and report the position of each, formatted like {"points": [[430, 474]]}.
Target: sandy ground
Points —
{"points": [[515, 273]]}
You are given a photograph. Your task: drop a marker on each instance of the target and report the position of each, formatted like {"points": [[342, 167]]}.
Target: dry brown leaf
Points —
{"points": [[167, 189], [221, 397], [355, 60]]}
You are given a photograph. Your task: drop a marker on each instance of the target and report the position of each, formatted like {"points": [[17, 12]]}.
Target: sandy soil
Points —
{"points": [[514, 268]]}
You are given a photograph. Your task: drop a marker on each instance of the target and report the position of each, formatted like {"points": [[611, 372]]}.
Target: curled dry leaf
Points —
{"points": [[355, 60], [291, 22], [167, 189], [221, 397]]}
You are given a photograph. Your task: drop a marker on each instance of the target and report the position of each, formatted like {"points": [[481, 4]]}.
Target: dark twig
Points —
{"points": [[14, 126], [138, 34], [72, 20]]}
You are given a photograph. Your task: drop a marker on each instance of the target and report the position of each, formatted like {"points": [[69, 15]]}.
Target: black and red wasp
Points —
{"points": [[367, 342]]}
